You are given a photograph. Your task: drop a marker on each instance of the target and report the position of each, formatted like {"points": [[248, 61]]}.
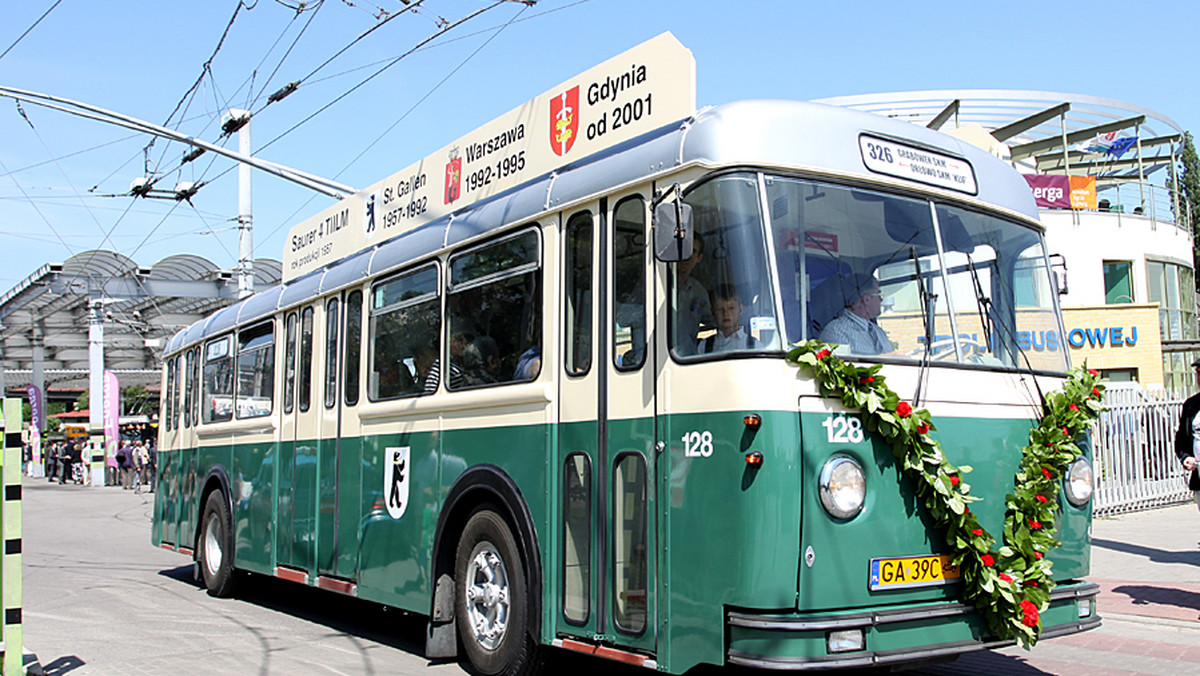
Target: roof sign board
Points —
{"points": [[632, 93], [917, 164]]}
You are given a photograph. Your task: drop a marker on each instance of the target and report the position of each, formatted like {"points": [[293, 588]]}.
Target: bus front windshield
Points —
{"points": [[878, 274]]}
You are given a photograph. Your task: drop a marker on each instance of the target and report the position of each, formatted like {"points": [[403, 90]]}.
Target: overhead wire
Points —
{"points": [[30, 29], [385, 132]]}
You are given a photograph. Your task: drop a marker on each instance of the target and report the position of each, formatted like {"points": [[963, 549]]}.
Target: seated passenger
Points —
{"points": [[854, 327], [730, 335], [481, 361], [692, 307]]}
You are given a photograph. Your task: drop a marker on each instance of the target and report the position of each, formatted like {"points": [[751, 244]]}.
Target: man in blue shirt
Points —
{"points": [[854, 328]]}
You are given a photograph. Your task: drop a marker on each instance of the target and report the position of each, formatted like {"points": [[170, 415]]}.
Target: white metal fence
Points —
{"points": [[1134, 441]]}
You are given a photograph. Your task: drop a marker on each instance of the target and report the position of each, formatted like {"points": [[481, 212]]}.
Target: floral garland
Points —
{"points": [[1011, 585]]}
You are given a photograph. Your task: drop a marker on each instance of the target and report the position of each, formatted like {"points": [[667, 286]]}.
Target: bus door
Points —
{"points": [[339, 470], [606, 569], [298, 444]]}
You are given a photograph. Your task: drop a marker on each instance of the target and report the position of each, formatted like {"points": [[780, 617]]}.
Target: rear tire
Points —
{"points": [[216, 546], [491, 600]]}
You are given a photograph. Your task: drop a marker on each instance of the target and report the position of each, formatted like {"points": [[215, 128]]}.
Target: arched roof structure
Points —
{"points": [[141, 308]]}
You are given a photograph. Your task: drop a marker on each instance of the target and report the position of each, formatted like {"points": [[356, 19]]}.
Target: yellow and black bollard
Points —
{"points": [[10, 572]]}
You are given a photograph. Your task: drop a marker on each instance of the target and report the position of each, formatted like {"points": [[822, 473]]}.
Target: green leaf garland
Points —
{"points": [[1009, 586]]}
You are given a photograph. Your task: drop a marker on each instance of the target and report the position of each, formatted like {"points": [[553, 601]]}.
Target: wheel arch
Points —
{"points": [[216, 479], [487, 483]]}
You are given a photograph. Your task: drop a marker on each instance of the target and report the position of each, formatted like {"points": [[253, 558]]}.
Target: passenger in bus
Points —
{"points": [[481, 361], [529, 365], [426, 362], [731, 335], [692, 307], [855, 328]]}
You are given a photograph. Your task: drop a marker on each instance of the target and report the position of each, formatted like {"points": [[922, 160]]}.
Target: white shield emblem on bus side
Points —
{"points": [[396, 469]]}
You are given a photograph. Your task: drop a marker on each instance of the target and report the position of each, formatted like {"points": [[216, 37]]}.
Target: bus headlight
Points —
{"points": [[843, 486], [1078, 482]]}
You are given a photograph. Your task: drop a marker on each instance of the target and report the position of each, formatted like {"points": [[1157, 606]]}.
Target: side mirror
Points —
{"points": [[673, 231], [1058, 273]]}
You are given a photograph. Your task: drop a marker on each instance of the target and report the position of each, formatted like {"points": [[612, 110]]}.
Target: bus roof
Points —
{"points": [[800, 136]]}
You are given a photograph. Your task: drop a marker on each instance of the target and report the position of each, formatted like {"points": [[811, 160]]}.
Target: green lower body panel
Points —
{"points": [[798, 642]]}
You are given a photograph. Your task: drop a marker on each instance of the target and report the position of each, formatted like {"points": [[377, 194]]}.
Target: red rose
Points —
{"points": [[1040, 498], [1066, 431], [1005, 577], [903, 409], [868, 379], [1095, 393], [1073, 407], [922, 428], [822, 354], [1030, 583], [987, 560], [1093, 372], [966, 511], [1037, 555], [1029, 614], [1046, 473], [1034, 524], [954, 481], [976, 531]]}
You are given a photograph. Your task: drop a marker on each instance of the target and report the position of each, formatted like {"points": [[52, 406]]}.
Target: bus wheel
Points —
{"points": [[216, 546], [491, 602]]}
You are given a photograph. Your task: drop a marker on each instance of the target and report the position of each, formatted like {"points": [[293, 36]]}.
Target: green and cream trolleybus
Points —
{"points": [[534, 386]]}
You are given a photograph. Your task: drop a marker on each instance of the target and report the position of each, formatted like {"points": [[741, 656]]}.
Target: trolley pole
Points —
{"points": [[10, 572], [240, 120]]}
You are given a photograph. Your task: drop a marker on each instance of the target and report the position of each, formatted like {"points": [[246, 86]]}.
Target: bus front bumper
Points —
{"points": [[895, 635]]}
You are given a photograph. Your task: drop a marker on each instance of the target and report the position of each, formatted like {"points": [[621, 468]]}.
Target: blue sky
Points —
{"points": [[139, 57]]}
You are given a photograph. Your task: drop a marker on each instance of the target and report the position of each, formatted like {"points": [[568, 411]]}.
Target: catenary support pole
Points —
{"points": [[95, 393]]}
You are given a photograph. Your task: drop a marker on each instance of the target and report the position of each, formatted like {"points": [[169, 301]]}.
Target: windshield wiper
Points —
{"points": [[982, 303], [928, 302]]}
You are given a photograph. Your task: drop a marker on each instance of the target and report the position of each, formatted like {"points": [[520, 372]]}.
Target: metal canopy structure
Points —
{"points": [[1038, 125], [1040, 132], [45, 319]]}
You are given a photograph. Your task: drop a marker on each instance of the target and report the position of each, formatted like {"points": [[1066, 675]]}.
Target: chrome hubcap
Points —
{"points": [[212, 545], [488, 601]]}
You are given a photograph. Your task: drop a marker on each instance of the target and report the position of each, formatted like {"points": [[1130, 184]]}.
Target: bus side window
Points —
{"points": [[168, 399], [403, 335], [495, 306], [256, 370], [218, 380], [353, 346], [185, 376], [331, 352], [578, 274], [629, 284], [306, 353], [289, 364], [194, 385]]}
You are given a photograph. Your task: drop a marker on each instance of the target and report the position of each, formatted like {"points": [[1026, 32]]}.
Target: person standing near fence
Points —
{"points": [[1187, 437]]}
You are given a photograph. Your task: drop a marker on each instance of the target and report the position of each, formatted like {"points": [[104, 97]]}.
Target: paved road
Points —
{"points": [[99, 599]]}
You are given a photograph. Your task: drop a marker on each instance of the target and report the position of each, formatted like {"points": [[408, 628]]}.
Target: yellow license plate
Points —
{"points": [[903, 572]]}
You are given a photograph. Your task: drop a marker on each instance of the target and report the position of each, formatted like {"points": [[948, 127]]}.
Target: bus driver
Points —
{"points": [[854, 327]]}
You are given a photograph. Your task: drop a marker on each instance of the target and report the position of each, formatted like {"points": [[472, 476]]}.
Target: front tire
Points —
{"points": [[492, 604], [216, 546]]}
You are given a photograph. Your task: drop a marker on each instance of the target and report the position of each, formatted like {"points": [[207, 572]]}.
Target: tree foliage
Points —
{"points": [[1189, 192]]}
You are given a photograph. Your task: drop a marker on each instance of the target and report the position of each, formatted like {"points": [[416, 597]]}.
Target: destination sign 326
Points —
{"points": [[637, 91]]}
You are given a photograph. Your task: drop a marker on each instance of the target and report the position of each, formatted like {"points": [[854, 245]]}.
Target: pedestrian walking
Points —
{"points": [[125, 467], [139, 465], [1187, 437]]}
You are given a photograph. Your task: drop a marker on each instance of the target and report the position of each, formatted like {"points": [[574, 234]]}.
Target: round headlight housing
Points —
{"points": [[1079, 482], [843, 486]]}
